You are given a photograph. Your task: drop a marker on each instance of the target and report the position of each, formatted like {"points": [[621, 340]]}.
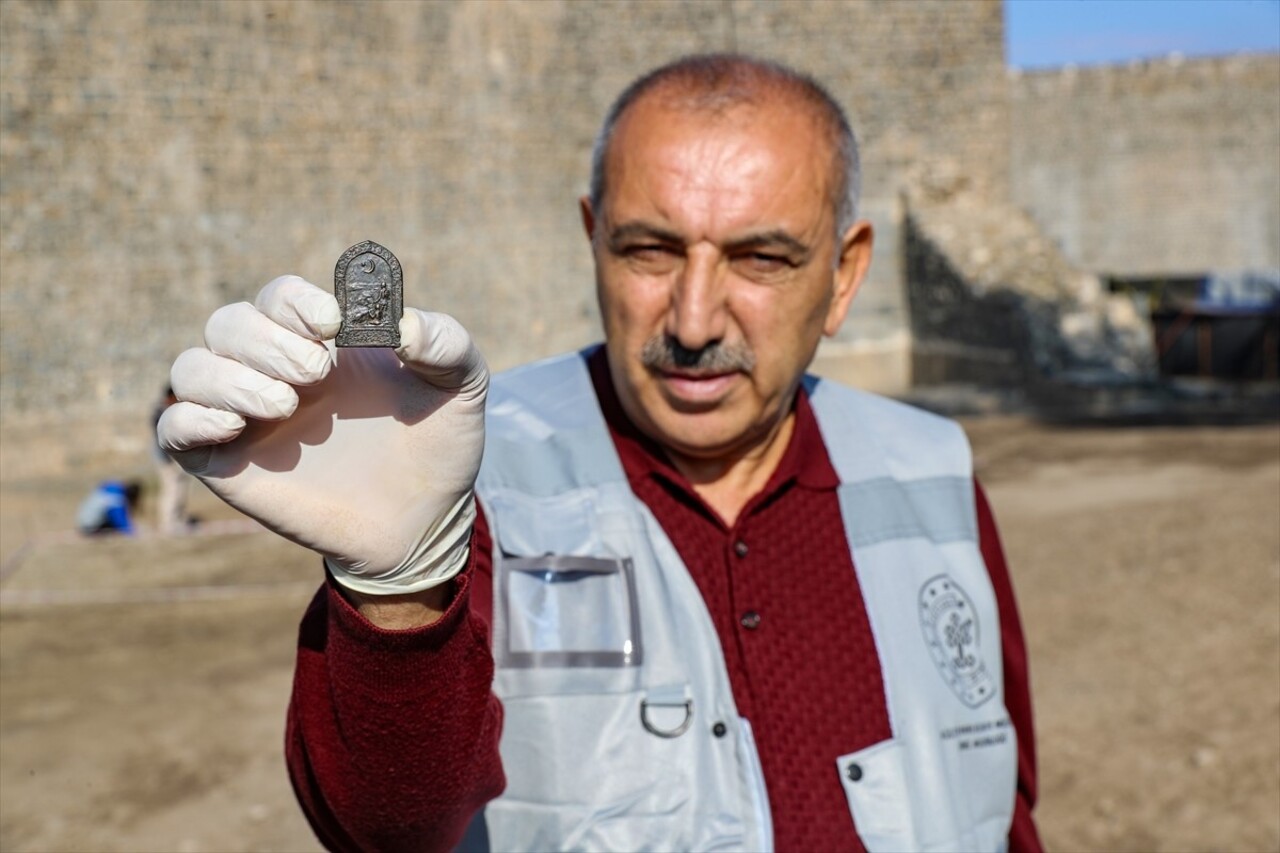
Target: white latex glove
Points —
{"points": [[366, 456]]}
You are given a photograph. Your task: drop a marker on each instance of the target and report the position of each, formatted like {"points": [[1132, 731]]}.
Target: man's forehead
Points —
{"points": [[739, 155], [711, 111], [654, 121]]}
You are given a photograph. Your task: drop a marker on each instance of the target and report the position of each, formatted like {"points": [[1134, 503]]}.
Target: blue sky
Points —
{"points": [[1040, 33]]}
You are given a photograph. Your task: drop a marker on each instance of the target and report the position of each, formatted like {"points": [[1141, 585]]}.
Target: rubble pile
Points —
{"points": [[982, 252]]}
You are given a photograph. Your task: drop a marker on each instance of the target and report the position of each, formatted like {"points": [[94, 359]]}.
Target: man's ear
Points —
{"points": [[588, 217], [851, 269]]}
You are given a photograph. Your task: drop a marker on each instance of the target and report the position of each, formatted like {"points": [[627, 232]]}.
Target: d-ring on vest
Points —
{"points": [[620, 731]]}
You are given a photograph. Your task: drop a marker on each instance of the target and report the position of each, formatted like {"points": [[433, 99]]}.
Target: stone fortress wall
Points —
{"points": [[1153, 168], [163, 158], [160, 159]]}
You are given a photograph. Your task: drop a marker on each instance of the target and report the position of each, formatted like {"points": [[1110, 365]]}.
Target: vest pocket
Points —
{"points": [[584, 774], [561, 598], [562, 611], [875, 785]]}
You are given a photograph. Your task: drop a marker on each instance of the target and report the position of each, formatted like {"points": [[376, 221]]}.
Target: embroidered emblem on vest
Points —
{"points": [[950, 626]]}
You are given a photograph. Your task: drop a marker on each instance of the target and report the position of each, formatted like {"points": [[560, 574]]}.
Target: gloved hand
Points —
{"points": [[365, 457]]}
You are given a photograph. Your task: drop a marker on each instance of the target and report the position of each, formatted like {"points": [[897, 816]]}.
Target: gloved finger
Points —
{"points": [[440, 350], [185, 426], [244, 333], [199, 376], [300, 307]]}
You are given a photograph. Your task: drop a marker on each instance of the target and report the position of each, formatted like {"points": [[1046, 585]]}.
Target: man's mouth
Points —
{"points": [[696, 380], [698, 386]]}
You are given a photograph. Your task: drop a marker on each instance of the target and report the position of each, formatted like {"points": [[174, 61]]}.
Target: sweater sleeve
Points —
{"points": [[392, 736], [1023, 837]]}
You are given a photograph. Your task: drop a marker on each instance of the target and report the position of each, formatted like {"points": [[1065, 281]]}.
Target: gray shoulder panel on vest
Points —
{"points": [[545, 433], [881, 437], [905, 473], [939, 509]]}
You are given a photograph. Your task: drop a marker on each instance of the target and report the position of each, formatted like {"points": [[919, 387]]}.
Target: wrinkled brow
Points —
{"points": [[642, 230], [776, 238], [764, 239]]}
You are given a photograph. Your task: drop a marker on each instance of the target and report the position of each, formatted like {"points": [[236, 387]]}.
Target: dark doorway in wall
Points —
{"points": [[1214, 326]]}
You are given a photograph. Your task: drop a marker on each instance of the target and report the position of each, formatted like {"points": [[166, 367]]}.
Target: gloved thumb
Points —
{"points": [[440, 350]]}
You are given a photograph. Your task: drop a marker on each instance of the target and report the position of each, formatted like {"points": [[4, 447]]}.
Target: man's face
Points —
{"points": [[718, 269]]}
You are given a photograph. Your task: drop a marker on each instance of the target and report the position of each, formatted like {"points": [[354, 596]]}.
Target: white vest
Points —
{"points": [[620, 730]]}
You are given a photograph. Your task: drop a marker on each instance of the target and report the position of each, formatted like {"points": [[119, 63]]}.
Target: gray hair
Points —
{"points": [[716, 82]]}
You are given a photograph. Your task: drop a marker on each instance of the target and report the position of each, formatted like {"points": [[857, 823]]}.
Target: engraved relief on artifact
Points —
{"points": [[369, 286]]}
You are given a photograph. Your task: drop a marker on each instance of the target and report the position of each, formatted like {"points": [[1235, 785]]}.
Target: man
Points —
{"points": [[729, 607], [109, 508], [171, 498]]}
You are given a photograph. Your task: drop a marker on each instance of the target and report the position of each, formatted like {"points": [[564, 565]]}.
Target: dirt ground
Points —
{"points": [[143, 681]]}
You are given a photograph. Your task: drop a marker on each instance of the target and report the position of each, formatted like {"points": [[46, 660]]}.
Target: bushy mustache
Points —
{"points": [[666, 354]]}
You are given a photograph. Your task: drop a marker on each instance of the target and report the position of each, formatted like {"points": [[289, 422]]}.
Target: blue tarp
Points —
{"points": [[1240, 292]]}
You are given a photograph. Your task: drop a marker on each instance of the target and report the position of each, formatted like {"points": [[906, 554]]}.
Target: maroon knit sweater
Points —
{"points": [[392, 736]]}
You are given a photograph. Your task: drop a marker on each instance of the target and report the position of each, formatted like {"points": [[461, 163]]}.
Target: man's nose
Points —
{"points": [[698, 315]]}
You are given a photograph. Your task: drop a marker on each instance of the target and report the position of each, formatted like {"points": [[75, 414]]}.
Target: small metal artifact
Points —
{"points": [[369, 285]]}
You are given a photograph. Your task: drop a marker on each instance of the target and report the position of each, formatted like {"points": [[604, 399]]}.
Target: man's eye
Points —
{"points": [[650, 257], [647, 252], [762, 263]]}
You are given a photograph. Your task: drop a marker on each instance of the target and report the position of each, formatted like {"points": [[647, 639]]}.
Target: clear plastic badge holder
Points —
{"points": [[570, 611]]}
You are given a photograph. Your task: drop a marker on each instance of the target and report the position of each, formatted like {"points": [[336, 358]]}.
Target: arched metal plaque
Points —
{"points": [[369, 286]]}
